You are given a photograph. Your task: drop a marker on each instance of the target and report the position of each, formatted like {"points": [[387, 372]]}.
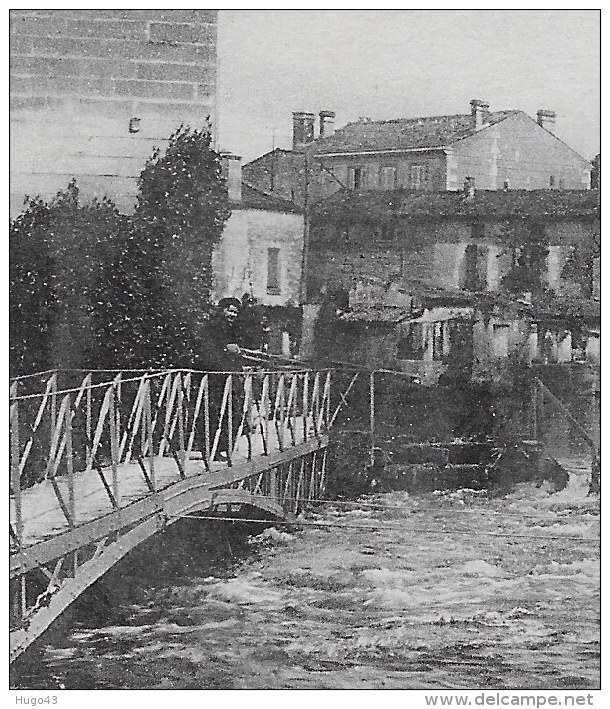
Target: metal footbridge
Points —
{"points": [[101, 461]]}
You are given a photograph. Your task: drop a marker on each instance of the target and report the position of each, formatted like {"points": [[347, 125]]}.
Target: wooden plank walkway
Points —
{"points": [[43, 517]]}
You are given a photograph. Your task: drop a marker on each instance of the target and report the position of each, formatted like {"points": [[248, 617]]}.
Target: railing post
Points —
{"points": [[372, 414], [148, 424], [181, 441], [88, 423], [230, 421], [305, 404], [248, 396], [16, 469], [70, 460], [114, 445], [206, 419], [53, 408]]}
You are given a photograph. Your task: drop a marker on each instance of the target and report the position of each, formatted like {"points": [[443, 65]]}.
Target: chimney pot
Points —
{"points": [[327, 123], [302, 128], [231, 171], [546, 119], [479, 110]]}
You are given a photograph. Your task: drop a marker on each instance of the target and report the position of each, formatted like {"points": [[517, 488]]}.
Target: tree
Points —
{"points": [[91, 288], [32, 298], [58, 251], [182, 207]]}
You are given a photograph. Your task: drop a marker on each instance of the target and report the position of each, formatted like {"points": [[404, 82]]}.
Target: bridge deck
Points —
{"points": [[44, 519]]}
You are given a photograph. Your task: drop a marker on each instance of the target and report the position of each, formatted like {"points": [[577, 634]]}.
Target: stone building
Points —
{"points": [[424, 281], [260, 254], [92, 93], [499, 149]]}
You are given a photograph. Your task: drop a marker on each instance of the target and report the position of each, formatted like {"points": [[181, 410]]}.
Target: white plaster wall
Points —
{"points": [[240, 259]]}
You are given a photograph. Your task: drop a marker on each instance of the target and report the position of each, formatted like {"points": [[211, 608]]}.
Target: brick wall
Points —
{"points": [[282, 173], [77, 77]]}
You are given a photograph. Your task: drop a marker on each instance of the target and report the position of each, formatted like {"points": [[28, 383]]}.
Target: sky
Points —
{"points": [[386, 64]]}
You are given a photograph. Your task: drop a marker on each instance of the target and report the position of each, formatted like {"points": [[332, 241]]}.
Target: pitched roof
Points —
{"points": [[254, 198], [403, 133], [376, 205], [275, 151]]}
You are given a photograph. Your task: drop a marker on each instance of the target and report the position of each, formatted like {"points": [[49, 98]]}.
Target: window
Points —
{"points": [[387, 178], [440, 341], [273, 271], [501, 340], [411, 344], [474, 268], [416, 177], [356, 178], [478, 231], [419, 176]]}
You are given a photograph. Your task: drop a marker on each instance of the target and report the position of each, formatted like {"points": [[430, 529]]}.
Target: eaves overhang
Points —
{"points": [[392, 151]]}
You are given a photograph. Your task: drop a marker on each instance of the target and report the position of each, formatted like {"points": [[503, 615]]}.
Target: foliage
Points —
{"points": [[57, 252], [93, 288], [182, 207], [32, 298], [580, 266], [525, 243]]}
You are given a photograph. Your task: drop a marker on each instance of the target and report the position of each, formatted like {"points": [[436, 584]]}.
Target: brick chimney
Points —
{"points": [[302, 128], [479, 110], [546, 119], [231, 171], [327, 123]]}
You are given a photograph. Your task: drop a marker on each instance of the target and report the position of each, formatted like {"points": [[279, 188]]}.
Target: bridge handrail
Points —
{"points": [[152, 374]]}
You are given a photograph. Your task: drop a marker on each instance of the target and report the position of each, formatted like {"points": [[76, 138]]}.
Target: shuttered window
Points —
{"points": [[273, 271]]}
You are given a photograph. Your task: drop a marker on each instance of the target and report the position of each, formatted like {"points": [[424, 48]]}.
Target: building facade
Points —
{"points": [[474, 278], [94, 91], [260, 255], [501, 149]]}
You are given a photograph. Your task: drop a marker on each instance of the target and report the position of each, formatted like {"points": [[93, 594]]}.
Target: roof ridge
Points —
{"points": [[425, 118]]}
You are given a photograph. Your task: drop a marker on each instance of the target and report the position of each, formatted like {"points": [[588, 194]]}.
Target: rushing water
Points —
{"points": [[396, 592]]}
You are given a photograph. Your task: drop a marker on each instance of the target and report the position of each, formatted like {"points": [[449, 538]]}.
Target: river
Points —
{"points": [[442, 590]]}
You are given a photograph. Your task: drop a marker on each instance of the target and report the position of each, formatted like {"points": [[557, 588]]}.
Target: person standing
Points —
{"points": [[224, 340]]}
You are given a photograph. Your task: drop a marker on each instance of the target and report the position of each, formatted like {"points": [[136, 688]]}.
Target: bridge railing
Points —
{"points": [[196, 422]]}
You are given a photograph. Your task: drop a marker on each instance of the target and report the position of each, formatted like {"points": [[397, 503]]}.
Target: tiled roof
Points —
{"points": [[375, 205], [254, 198], [275, 151], [403, 133]]}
